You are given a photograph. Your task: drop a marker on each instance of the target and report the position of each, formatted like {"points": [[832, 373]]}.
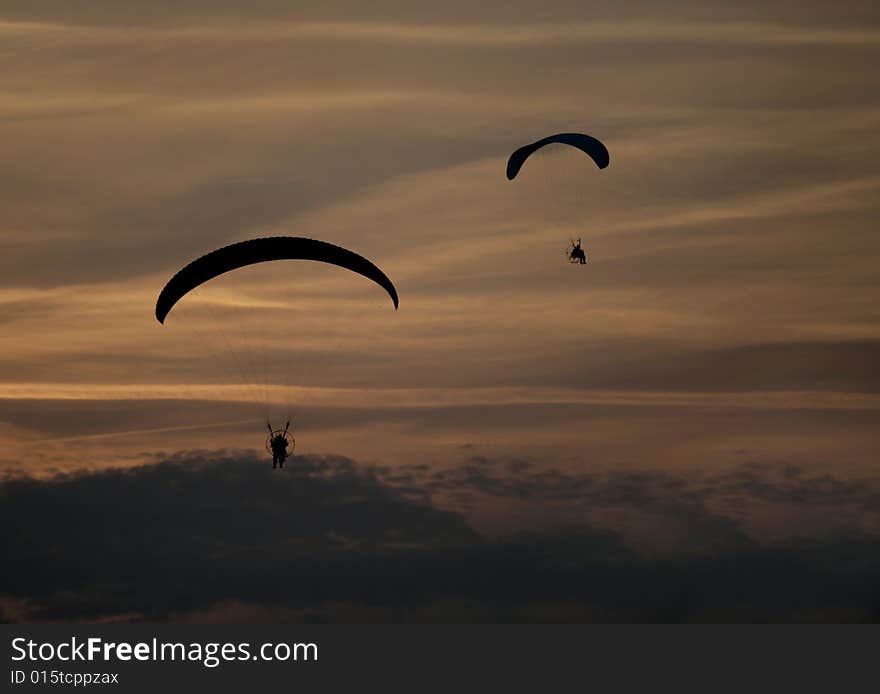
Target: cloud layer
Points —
{"points": [[220, 536]]}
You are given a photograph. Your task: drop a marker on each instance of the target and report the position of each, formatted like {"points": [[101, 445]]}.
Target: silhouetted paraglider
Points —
{"points": [[576, 253], [588, 145], [238, 255], [280, 444]]}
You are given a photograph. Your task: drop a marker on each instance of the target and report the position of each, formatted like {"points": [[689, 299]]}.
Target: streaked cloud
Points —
{"points": [[484, 34]]}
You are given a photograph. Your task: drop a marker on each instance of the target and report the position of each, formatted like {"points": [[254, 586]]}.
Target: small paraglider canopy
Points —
{"points": [[588, 145], [262, 250]]}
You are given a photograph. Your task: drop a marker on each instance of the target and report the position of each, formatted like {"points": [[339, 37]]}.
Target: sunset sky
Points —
{"points": [[708, 381]]}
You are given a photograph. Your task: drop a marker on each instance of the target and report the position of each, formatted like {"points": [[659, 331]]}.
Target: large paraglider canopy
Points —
{"points": [[588, 145], [262, 250]]}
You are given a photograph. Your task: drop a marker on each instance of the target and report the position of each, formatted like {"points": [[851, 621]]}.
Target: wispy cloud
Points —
{"points": [[448, 397], [484, 34]]}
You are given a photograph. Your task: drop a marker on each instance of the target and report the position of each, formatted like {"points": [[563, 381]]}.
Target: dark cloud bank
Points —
{"points": [[207, 536]]}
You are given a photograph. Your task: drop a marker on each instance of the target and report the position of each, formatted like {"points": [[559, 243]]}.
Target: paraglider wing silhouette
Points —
{"points": [[262, 250], [588, 145]]}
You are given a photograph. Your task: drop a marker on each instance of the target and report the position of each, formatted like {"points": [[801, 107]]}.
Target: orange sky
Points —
{"points": [[730, 309]]}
